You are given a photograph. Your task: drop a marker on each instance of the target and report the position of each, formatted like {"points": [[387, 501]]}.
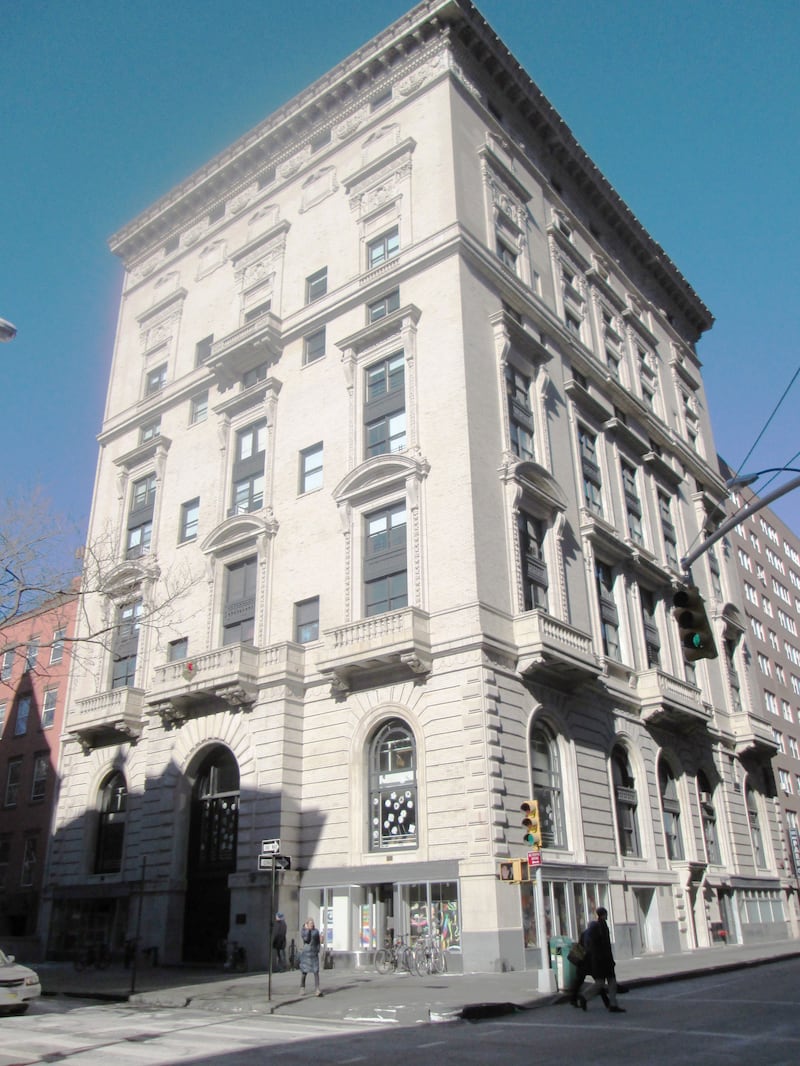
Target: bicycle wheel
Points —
{"points": [[438, 960], [421, 959], [383, 960], [410, 962]]}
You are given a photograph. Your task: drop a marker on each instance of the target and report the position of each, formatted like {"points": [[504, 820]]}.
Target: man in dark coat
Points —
{"points": [[601, 964], [309, 956]]}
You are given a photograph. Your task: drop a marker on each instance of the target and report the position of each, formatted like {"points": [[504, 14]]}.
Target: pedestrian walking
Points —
{"points": [[279, 941], [309, 956], [601, 965]]}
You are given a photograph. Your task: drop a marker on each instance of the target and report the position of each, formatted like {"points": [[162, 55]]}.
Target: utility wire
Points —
{"points": [[766, 424]]}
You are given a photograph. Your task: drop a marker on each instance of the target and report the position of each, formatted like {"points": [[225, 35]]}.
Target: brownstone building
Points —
{"points": [[35, 652]]}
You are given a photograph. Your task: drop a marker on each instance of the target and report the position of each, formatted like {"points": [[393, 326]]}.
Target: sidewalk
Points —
{"points": [[363, 995]]}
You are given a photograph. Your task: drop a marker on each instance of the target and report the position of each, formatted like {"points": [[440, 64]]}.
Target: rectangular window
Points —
{"points": [[139, 538], [314, 346], [49, 707], [311, 468], [239, 613], [5, 858], [668, 529], [178, 650], [633, 505], [609, 618], [29, 856], [144, 493], [383, 248], [23, 713], [534, 567], [316, 285], [198, 408], [8, 665], [506, 254], [306, 621], [155, 380], [190, 515], [385, 563], [384, 306], [254, 376], [385, 406], [41, 770], [150, 431], [258, 311], [520, 415], [202, 350], [3, 709], [126, 645], [652, 639], [592, 483], [248, 469], [13, 778]]}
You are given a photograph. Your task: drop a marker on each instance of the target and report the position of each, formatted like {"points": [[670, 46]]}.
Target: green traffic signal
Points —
{"points": [[697, 639]]}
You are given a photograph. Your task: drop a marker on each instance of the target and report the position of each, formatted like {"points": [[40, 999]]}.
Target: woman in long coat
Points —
{"points": [[309, 955]]}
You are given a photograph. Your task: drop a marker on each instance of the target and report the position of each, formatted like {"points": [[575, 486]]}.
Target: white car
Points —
{"points": [[18, 985]]}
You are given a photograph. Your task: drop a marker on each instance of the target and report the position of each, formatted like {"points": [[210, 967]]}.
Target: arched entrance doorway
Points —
{"points": [[211, 856]]}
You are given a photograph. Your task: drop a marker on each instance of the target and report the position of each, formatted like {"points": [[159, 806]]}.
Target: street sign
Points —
{"points": [[534, 858], [271, 847], [282, 862]]}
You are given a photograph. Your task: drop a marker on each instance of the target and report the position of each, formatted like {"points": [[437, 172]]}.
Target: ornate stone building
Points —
{"points": [[406, 405]]}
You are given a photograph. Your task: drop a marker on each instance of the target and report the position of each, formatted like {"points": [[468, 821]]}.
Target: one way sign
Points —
{"points": [[282, 862]]}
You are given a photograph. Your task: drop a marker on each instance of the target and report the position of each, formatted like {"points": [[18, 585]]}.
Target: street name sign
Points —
{"points": [[282, 862]]}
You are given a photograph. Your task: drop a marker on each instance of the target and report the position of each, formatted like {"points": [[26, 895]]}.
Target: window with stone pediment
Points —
{"points": [[590, 469], [125, 647], [532, 531], [385, 560], [247, 492], [520, 412], [605, 582], [239, 611]]}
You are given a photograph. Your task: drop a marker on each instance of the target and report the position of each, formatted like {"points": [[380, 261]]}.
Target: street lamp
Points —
{"points": [[743, 480], [7, 331]]}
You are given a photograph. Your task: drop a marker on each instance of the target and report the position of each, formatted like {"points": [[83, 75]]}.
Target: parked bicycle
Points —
{"points": [[394, 956], [235, 957], [95, 955], [428, 955]]}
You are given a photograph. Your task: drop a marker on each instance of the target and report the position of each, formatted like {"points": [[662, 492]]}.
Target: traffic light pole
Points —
{"points": [[730, 523]]}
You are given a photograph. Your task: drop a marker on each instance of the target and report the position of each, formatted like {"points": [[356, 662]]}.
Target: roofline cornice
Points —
{"points": [[409, 34]]}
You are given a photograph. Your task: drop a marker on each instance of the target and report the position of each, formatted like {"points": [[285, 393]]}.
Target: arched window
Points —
{"points": [[708, 817], [670, 811], [625, 802], [112, 803], [755, 827], [392, 788], [216, 812], [547, 787]]}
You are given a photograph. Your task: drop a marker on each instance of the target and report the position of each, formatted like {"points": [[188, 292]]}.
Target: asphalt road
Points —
{"points": [[746, 1016]]}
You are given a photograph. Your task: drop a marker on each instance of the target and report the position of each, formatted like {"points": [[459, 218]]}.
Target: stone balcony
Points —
{"points": [[223, 679], [256, 342], [551, 649], [666, 699], [113, 717], [752, 735], [396, 644]]}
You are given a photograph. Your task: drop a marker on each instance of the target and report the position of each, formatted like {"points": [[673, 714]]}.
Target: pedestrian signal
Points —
{"points": [[512, 871]]}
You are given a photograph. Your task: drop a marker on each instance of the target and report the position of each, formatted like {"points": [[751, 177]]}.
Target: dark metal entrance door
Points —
{"points": [[212, 857]]}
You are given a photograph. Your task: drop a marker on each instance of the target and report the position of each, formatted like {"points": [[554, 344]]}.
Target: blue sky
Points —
{"points": [[688, 107]]}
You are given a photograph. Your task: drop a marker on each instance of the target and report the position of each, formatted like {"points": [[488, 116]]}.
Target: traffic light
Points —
{"points": [[512, 871], [530, 821], [694, 628]]}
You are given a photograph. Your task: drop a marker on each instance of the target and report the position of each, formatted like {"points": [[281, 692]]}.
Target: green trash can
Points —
{"points": [[565, 971]]}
